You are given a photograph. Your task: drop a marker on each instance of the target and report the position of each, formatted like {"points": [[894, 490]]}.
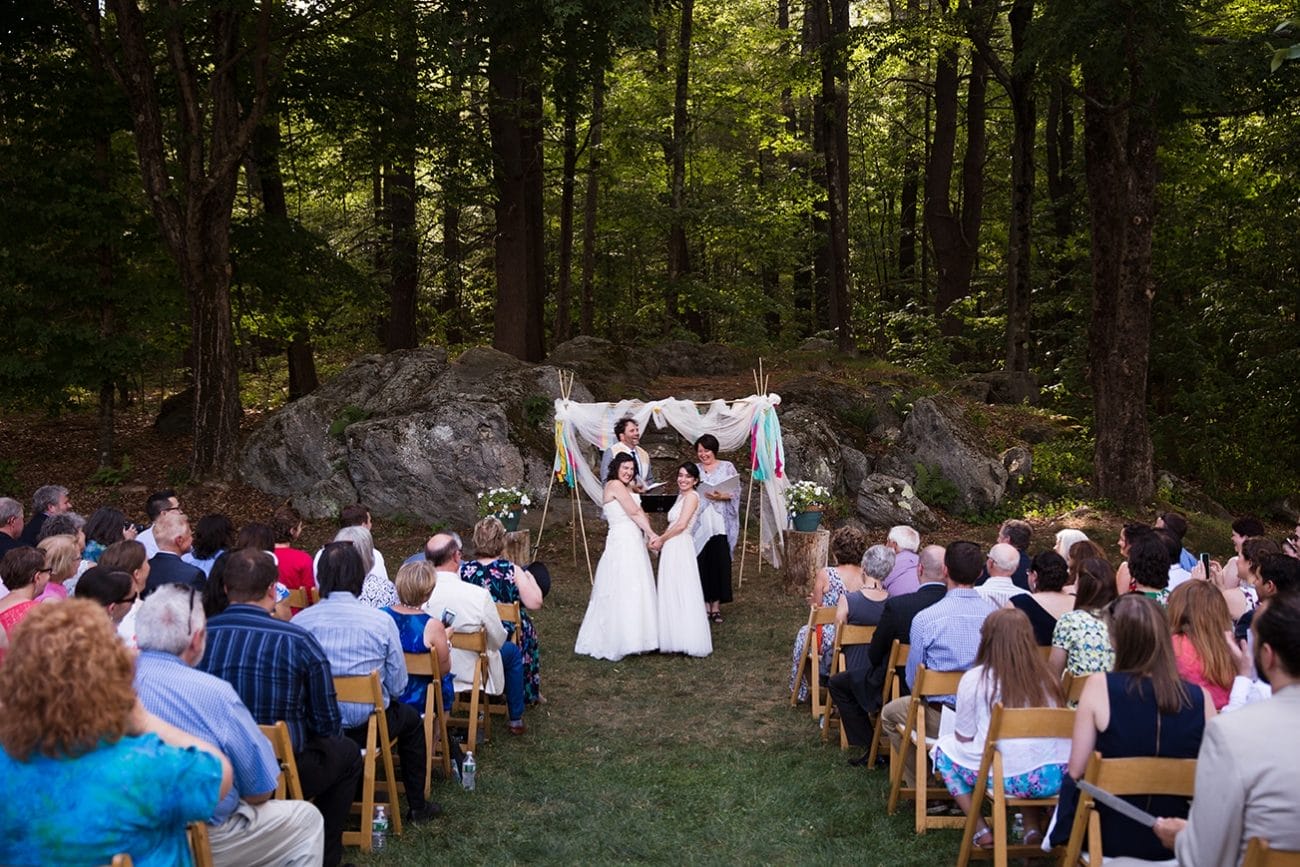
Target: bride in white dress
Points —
{"points": [[683, 619], [621, 615]]}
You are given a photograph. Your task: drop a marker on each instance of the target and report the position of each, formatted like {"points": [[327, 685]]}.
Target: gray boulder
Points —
{"points": [[886, 501], [812, 448], [1019, 463], [856, 467], [412, 435], [935, 434]]}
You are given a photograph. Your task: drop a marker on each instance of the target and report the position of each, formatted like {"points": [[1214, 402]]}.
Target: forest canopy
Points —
{"points": [[1097, 196]]}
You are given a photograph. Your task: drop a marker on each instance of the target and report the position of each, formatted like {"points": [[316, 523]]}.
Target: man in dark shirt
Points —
{"points": [[856, 692], [281, 673], [11, 524], [48, 501], [1017, 534], [173, 537]]}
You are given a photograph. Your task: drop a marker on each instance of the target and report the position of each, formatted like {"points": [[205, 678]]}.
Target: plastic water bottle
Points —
{"points": [[467, 769], [379, 829], [1018, 829]]}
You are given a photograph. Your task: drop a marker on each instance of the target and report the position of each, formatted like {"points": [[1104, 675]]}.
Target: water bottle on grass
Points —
{"points": [[379, 829], [467, 771]]}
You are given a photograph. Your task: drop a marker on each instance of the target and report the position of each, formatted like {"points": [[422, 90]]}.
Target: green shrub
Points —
{"points": [[537, 408], [348, 416], [110, 476], [934, 489]]}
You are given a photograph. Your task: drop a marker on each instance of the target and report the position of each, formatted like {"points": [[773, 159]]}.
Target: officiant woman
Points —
{"points": [[716, 530]]}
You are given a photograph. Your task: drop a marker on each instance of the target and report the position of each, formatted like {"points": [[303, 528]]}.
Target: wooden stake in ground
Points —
{"points": [[591, 575]]}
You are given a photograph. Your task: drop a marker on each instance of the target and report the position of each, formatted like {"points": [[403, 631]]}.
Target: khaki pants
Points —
{"points": [[894, 715], [290, 833]]}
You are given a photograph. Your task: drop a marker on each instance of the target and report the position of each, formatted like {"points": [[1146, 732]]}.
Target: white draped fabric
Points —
{"points": [[751, 420]]}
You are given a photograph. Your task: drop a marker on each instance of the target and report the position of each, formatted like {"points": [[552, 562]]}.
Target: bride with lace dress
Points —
{"points": [[683, 618], [622, 617]]}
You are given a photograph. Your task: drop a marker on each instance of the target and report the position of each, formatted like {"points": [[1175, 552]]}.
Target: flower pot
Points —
{"points": [[511, 520], [806, 522]]}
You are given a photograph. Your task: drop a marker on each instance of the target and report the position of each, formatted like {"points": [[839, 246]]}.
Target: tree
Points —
{"points": [[188, 61], [830, 28]]}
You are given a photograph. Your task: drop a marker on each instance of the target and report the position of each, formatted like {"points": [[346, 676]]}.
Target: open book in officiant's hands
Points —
{"points": [[730, 487]]}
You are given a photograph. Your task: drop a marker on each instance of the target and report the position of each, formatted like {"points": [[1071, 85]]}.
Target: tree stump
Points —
{"points": [[519, 547], [805, 553]]}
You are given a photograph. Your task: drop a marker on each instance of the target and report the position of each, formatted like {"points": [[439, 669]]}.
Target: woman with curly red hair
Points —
{"points": [[103, 775]]}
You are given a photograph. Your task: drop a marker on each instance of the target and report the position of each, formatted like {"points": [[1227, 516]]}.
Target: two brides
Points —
{"points": [[624, 615]]}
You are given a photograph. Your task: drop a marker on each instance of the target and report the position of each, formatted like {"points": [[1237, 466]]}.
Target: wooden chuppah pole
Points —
{"points": [[564, 395], [749, 499]]}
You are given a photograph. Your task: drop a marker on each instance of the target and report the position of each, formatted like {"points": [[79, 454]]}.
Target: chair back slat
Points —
{"points": [[1260, 854]]}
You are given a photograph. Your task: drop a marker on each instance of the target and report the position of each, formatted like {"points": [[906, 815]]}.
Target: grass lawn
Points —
{"points": [[669, 759]]}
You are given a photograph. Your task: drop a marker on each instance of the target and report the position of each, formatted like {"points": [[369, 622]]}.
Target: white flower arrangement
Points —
{"points": [[500, 502], [806, 496]]}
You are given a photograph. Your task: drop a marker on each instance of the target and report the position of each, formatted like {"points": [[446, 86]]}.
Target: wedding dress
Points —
{"points": [[621, 614], [683, 624]]}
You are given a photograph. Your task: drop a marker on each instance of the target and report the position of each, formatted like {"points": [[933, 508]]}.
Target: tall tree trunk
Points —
{"points": [[513, 121], [909, 195], [105, 440], [399, 189], [679, 262], [1120, 165], [449, 304], [591, 200], [1061, 181], [269, 183], [831, 21], [1020, 238], [569, 145], [954, 230]]}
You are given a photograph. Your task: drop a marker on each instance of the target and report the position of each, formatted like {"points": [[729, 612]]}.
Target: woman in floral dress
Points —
{"points": [[508, 583]]}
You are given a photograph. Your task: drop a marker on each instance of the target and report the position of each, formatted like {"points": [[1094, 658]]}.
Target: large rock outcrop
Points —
{"points": [[937, 435], [411, 434]]}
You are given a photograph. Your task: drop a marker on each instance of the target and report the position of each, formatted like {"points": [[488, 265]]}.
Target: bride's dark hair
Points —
{"points": [[617, 461], [691, 470]]}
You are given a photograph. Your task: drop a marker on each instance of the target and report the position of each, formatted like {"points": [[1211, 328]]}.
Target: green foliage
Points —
{"points": [[537, 409], [348, 416], [933, 488], [859, 415], [110, 476], [179, 477]]}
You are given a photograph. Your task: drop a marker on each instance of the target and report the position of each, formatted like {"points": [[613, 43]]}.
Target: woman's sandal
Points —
{"points": [[983, 840], [716, 616]]}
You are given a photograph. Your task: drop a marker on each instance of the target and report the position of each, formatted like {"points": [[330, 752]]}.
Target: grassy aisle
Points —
{"points": [[669, 759]]}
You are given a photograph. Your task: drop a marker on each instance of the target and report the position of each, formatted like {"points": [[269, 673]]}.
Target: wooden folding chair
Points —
{"points": [[367, 689], [509, 613], [1133, 776], [435, 716], [467, 711], [809, 665], [289, 785], [1005, 724], [929, 684], [303, 597], [848, 635], [891, 690], [200, 846], [1072, 685], [1260, 854]]}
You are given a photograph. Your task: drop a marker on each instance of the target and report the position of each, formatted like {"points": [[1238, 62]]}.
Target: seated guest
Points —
{"points": [[255, 536], [1142, 708], [1008, 669], [1147, 565], [11, 526], [281, 673], [1177, 574], [905, 543], [48, 501], [128, 556], [1067, 538], [357, 639], [1199, 619], [421, 633], [1017, 534], [377, 591], [247, 828], [1081, 641], [113, 591], [1048, 575], [1246, 781], [856, 691], [23, 571], [864, 606], [998, 586], [295, 564], [847, 546], [357, 515], [158, 503], [473, 608], [171, 533], [75, 735], [62, 559], [1249, 575], [105, 526], [508, 583], [213, 535], [1177, 524], [1242, 529]]}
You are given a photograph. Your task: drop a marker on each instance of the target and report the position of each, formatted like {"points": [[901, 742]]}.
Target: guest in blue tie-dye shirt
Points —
{"points": [[99, 775]]}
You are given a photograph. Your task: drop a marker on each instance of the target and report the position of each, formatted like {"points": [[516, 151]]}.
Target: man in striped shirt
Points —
{"points": [[281, 673]]}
